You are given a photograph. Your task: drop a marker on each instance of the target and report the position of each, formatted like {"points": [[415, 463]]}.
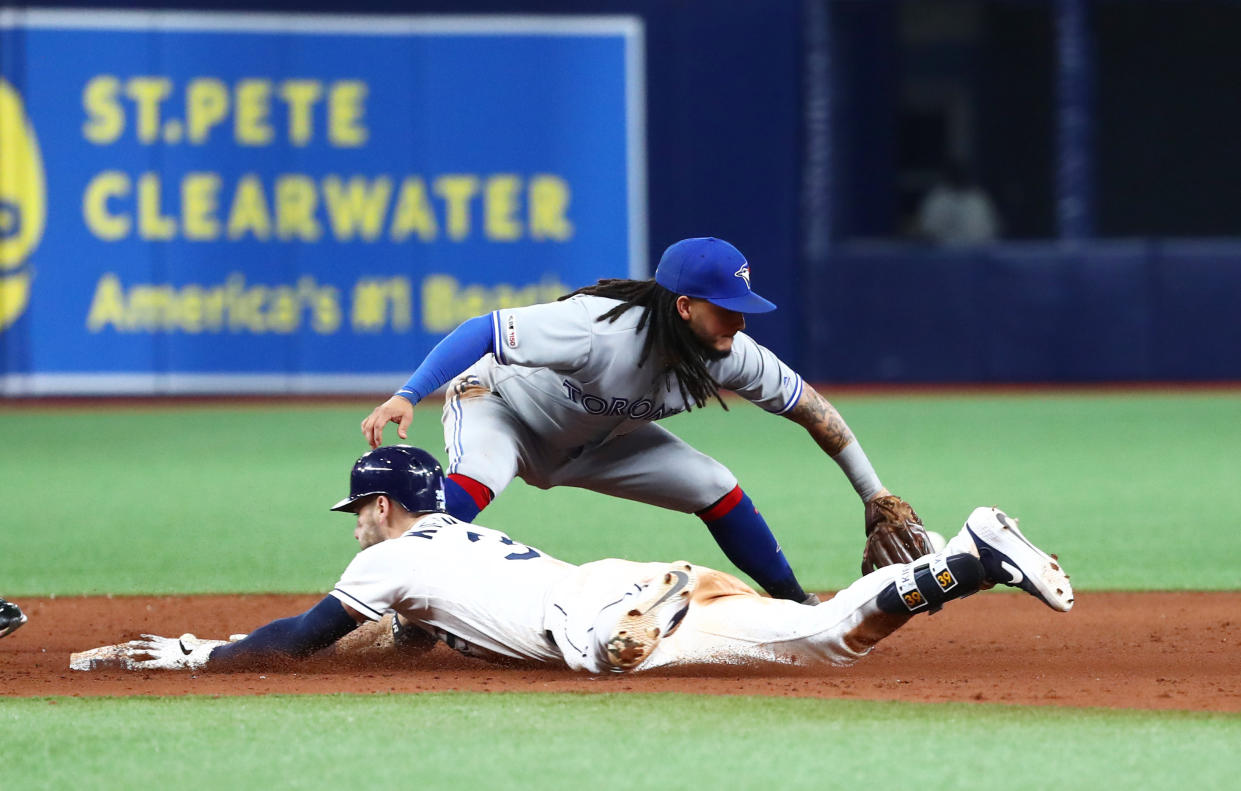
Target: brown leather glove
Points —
{"points": [[894, 534]]}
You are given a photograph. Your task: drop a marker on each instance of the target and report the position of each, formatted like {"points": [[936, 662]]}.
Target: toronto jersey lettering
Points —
{"points": [[577, 381]]}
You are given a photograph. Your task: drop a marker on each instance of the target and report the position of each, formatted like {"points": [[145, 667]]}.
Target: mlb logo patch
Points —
{"points": [[510, 332]]}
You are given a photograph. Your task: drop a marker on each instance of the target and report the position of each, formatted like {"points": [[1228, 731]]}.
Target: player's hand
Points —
{"points": [[410, 639], [153, 652], [395, 410]]}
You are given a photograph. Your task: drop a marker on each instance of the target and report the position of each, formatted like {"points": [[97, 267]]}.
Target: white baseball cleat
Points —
{"points": [[1008, 558], [651, 614]]}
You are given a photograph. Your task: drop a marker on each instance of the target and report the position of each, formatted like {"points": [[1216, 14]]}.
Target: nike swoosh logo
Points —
{"points": [[1014, 572], [184, 650], [682, 581]]}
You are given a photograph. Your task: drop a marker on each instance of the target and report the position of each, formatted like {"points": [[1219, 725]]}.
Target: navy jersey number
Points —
{"points": [[527, 553]]}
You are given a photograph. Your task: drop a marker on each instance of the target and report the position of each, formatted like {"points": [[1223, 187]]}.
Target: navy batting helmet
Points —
{"points": [[409, 475]]}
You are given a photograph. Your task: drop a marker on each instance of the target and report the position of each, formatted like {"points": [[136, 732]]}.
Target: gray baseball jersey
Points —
{"points": [[571, 406]]}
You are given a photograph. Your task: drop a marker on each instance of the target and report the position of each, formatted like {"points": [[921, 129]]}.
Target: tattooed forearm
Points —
{"points": [[820, 418]]}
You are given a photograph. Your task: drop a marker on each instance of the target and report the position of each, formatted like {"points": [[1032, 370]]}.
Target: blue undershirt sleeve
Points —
{"points": [[299, 636], [461, 348]]}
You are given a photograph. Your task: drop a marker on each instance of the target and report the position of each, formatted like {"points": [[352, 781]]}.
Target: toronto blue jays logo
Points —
{"points": [[744, 273]]}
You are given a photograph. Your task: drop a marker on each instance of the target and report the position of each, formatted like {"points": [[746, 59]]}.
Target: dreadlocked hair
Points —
{"points": [[668, 333]]}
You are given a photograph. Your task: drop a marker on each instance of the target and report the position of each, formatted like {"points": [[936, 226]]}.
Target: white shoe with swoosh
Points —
{"points": [[651, 614], [1009, 558]]}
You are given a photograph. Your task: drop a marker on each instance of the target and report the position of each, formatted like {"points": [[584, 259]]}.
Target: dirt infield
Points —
{"points": [[1118, 650]]}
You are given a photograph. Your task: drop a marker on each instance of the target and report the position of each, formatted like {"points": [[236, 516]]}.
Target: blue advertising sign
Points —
{"points": [[294, 203]]}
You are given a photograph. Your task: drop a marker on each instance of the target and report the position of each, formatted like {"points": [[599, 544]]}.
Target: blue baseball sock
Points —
{"points": [[743, 534]]}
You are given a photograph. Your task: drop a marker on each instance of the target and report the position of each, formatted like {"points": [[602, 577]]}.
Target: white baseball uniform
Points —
{"points": [[487, 596], [563, 402]]}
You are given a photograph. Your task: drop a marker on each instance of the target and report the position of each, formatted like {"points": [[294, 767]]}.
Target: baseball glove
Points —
{"points": [[894, 534]]}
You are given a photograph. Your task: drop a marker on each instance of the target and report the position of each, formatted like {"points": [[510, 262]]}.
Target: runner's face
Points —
{"points": [[713, 326], [370, 529]]}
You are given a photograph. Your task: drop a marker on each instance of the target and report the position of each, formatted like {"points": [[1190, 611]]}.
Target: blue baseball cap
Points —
{"points": [[710, 269]]}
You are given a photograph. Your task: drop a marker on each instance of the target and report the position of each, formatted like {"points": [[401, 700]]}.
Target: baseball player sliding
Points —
{"points": [[566, 394], [487, 596]]}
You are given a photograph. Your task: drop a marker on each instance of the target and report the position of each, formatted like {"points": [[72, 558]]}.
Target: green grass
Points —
{"points": [[515, 740], [1133, 490]]}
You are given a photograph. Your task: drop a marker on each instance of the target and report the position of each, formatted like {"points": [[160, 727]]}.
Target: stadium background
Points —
{"points": [[804, 132]]}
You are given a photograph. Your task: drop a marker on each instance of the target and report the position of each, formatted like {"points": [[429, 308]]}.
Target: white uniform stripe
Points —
{"points": [[497, 337], [793, 398], [454, 404], [357, 604]]}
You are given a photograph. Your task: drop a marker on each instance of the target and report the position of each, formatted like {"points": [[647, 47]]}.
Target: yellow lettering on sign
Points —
{"points": [[112, 103], [203, 206], [549, 203], [296, 201], [249, 214], [192, 310], [378, 303], [357, 206], [413, 212], [105, 119], [283, 314], [323, 303], [148, 93], [445, 303], [102, 222], [457, 191], [346, 107], [199, 203], [150, 306], [251, 123], [300, 97], [107, 307], [244, 305], [206, 107], [500, 206], [233, 306], [152, 222]]}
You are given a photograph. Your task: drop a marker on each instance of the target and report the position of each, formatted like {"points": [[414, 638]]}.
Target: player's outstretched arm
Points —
{"points": [[460, 349], [297, 637], [286, 638], [815, 413], [894, 533]]}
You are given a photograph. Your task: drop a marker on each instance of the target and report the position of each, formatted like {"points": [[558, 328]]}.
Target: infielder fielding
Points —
{"points": [[566, 394], [487, 596]]}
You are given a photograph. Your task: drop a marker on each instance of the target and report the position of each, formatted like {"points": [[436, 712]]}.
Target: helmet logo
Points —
{"points": [[744, 274]]}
